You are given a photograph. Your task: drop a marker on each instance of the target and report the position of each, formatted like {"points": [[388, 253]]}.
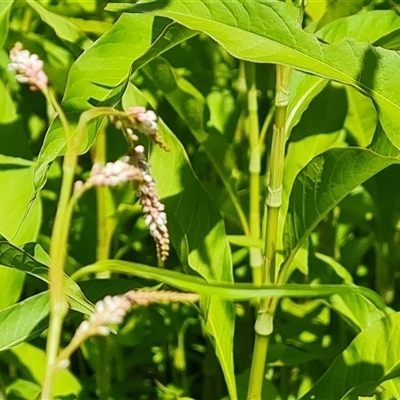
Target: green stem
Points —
{"points": [[264, 323], [254, 171], [59, 237], [58, 253], [105, 230]]}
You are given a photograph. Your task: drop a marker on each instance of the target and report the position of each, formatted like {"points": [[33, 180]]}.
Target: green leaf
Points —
{"points": [[326, 180], [101, 73], [191, 106], [13, 257], [245, 241], [371, 359], [5, 10], [361, 118], [33, 360], [242, 29], [197, 232], [237, 291], [371, 26], [16, 176], [23, 321], [64, 29]]}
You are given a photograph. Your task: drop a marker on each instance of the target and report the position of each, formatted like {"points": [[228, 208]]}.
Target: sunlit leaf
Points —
{"points": [[23, 321], [238, 291], [5, 10], [101, 73], [325, 181], [371, 359], [265, 31]]}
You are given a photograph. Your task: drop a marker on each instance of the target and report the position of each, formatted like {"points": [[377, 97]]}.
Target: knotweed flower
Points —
{"points": [[114, 173], [112, 310], [29, 68], [155, 216], [141, 119]]}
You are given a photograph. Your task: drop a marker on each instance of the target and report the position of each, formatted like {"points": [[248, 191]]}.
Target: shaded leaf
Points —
{"points": [[198, 234], [13, 257]]}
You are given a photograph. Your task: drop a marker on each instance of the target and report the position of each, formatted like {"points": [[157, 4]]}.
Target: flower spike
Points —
{"points": [[29, 68]]}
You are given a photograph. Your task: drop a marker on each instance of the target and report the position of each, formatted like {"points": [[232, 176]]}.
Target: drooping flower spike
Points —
{"points": [[29, 68], [142, 120]]}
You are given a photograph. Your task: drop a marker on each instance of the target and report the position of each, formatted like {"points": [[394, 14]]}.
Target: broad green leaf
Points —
{"points": [[101, 73], [371, 359], [5, 10], [340, 8], [371, 26], [242, 28], [13, 257], [8, 110], [10, 292], [191, 106], [64, 29], [321, 185], [198, 234], [23, 321], [33, 359], [237, 291]]}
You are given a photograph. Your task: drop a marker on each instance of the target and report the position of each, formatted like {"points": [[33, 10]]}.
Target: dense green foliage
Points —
{"points": [[321, 248]]}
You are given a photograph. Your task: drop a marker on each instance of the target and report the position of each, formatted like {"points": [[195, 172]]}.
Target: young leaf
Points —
{"points": [[370, 360], [23, 321], [242, 28]]}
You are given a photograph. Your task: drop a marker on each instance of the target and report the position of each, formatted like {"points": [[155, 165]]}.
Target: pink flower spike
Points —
{"points": [[29, 68]]}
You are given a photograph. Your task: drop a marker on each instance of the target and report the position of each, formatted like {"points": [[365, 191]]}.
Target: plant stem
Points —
{"points": [[264, 323], [58, 252], [59, 237], [254, 171]]}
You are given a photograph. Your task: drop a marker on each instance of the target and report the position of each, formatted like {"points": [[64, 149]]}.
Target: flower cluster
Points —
{"points": [[29, 68], [155, 216], [114, 174], [112, 310], [141, 119]]}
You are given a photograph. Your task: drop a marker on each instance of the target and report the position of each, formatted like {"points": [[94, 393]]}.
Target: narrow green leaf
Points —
{"points": [[371, 359], [101, 73], [197, 232], [267, 31], [325, 181], [237, 291], [245, 241], [13, 257], [23, 321], [64, 29]]}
